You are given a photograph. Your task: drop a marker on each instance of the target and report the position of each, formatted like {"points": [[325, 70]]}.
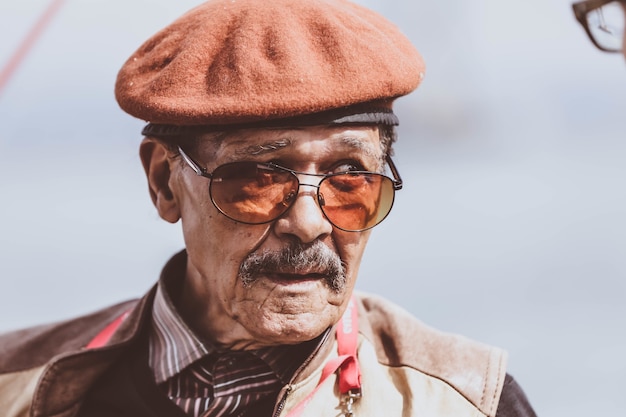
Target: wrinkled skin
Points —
{"points": [[283, 306]]}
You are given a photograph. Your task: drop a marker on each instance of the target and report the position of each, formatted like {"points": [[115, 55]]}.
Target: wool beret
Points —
{"points": [[239, 62]]}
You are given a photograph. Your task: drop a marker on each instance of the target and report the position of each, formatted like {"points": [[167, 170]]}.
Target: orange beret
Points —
{"points": [[237, 62]]}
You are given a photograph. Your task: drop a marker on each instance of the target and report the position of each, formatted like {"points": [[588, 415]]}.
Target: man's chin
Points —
{"points": [[288, 319], [290, 333]]}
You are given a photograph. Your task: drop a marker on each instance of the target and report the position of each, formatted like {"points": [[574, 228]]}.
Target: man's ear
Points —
{"points": [[157, 164]]}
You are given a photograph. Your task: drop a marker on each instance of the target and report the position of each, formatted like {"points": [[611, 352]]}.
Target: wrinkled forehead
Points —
{"points": [[240, 143]]}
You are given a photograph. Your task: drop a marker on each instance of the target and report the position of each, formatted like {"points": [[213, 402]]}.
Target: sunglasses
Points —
{"points": [[257, 193], [604, 21]]}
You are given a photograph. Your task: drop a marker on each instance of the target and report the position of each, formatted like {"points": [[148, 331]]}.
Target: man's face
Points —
{"points": [[278, 283]]}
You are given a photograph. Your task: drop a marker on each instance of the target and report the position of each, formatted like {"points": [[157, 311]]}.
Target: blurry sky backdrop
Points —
{"points": [[510, 228]]}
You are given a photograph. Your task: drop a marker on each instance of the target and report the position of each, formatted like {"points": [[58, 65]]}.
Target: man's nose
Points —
{"points": [[304, 219]]}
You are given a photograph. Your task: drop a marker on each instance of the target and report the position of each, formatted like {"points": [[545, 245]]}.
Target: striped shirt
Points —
{"points": [[205, 381]]}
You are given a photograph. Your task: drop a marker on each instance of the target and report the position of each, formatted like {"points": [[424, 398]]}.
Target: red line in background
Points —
{"points": [[28, 43]]}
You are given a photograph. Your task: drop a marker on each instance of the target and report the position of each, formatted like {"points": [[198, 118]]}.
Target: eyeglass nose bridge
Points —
{"points": [[319, 195]]}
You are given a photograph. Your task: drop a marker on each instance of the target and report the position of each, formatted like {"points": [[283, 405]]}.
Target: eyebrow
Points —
{"points": [[360, 145], [263, 148], [276, 145]]}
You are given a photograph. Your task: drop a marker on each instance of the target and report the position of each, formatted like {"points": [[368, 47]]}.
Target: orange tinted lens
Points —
{"points": [[252, 193], [356, 201]]}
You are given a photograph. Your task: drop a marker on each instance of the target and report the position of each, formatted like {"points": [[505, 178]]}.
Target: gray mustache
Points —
{"points": [[296, 258]]}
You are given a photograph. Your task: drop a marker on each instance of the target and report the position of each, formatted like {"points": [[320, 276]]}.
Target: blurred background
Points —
{"points": [[510, 228]]}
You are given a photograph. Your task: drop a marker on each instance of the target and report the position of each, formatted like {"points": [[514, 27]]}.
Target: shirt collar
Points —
{"points": [[173, 346]]}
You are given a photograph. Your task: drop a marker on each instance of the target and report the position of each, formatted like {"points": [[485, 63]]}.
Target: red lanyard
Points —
{"points": [[105, 334], [346, 362]]}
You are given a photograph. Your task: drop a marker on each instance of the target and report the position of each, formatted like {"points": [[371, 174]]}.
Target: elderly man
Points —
{"points": [[270, 132], [605, 23]]}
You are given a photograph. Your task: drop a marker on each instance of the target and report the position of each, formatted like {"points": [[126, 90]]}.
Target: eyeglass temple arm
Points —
{"points": [[193, 164], [397, 180]]}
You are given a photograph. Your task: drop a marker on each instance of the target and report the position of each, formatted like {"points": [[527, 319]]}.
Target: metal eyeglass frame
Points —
{"points": [[203, 172], [582, 8]]}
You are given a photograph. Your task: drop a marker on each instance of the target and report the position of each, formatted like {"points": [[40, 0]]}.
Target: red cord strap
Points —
{"points": [[105, 334]]}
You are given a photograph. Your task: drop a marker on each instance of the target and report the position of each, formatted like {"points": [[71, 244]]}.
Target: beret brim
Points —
{"points": [[354, 115]]}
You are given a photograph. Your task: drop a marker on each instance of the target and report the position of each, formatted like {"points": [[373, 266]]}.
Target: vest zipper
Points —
{"points": [[283, 400]]}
